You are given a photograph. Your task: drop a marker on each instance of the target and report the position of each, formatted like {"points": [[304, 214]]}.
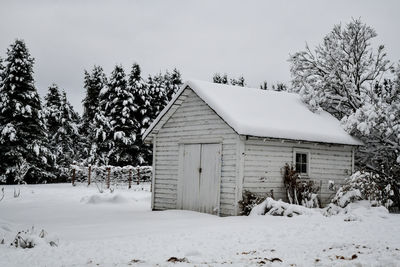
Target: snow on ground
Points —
{"points": [[118, 229]]}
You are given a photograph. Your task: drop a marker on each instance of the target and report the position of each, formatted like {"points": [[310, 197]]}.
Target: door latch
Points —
{"points": [[200, 169]]}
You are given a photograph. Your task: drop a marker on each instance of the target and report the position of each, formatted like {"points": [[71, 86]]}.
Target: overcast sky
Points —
{"points": [[200, 38]]}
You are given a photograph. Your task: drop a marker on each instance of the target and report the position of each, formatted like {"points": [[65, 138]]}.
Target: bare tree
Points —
{"points": [[341, 70]]}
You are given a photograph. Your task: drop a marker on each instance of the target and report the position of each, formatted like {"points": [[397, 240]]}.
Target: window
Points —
{"points": [[301, 161]]}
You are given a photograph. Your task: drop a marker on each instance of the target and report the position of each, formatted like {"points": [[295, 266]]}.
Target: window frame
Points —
{"points": [[302, 151]]}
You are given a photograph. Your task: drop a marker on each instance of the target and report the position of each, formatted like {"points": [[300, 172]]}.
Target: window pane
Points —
{"points": [[303, 168], [301, 162], [303, 158], [298, 167], [298, 158]]}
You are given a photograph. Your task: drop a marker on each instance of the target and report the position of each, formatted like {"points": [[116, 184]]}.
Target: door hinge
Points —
{"points": [[200, 170]]}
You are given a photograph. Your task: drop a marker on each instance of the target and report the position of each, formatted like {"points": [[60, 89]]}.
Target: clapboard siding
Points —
{"points": [[192, 118], [248, 163], [264, 159]]}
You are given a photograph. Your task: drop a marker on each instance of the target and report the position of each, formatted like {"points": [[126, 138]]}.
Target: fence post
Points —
{"points": [[130, 178], [138, 175], [89, 174], [73, 176], [108, 177]]}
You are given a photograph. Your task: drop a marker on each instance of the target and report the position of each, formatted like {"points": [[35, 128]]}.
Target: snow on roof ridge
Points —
{"points": [[265, 113]]}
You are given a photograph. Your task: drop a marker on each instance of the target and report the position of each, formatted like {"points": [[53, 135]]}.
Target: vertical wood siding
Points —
{"points": [[264, 160], [192, 118]]}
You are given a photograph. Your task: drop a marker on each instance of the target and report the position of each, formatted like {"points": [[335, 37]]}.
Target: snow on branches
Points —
{"points": [[337, 74], [345, 76]]}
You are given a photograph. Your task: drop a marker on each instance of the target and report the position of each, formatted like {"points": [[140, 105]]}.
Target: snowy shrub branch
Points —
{"points": [[367, 186], [300, 191]]}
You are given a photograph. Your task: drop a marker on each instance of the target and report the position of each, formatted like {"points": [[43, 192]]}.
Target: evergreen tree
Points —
{"points": [[158, 94], [279, 87], [70, 141], [101, 143], [23, 138], [115, 124], [264, 86], [142, 114], [52, 112], [217, 78], [173, 83], [239, 81], [62, 124], [94, 82], [121, 111], [1, 69]]}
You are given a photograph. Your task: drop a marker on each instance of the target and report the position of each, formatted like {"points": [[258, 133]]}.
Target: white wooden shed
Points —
{"points": [[213, 141]]}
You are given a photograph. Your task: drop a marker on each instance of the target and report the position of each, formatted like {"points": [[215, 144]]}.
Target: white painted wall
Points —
{"points": [[193, 120], [254, 164], [264, 159]]}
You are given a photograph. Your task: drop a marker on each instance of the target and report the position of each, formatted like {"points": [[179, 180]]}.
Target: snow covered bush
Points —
{"points": [[30, 238], [249, 201], [367, 186], [356, 211], [279, 208], [300, 191]]}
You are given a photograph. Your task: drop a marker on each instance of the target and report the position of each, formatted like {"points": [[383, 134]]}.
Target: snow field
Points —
{"points": [[118, 229]]}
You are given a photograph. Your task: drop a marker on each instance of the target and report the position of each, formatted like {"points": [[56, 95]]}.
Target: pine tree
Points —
{"points": [[217, 78], [70, 140], [23, 138], [121, 111], [115, 124], [279, 87], [158, 94], [142, 114], [173, 82], [94, 82], [101, 143], [62, 124], [52, 112], [264, 85]]}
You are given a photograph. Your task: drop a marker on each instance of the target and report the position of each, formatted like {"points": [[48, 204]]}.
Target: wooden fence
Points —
{"points": [[110, 175]]}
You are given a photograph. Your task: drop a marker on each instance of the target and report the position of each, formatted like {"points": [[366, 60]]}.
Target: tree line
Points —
{"points": [[39, 141], [343, 75]]}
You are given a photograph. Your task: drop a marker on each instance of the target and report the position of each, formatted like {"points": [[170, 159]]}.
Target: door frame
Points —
{"points": [[200, 141]]}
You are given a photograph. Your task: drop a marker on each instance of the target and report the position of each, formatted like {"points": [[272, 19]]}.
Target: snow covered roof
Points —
{"points": [[266, 113]]}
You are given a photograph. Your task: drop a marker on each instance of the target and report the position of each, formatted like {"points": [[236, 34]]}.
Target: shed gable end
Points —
{"points": [[192, 120]]}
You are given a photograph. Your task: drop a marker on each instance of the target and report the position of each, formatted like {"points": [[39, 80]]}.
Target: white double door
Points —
{"points": [[200, 174]]}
